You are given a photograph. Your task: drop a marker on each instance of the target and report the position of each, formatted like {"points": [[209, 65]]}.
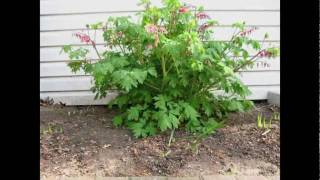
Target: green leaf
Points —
{"points": [[152, 71], [117, 121], [139, 75], [245, 54], [239, 25], [127, 83], [173, 120], [210, 126], [151, 129], [163, 121], [75, 66], [133, 113], [228, 70], [66, 49], [247, 105], [138, 129], [118, 62], [96, 26], [275, 52], [103, 67], [239, 105], [120, 100], [207, 109], [160, 102], [190, 112], [78, 54], [255, 45], [175, 93], [175, 110], [124, 79], [212, 22]]}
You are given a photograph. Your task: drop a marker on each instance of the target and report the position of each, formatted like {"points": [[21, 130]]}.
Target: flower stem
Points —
{"points": [[95, 48]]}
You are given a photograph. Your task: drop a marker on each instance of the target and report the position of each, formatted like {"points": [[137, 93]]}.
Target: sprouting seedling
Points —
{"points": [[270, 122], [259, 121], [276, 116], [50, 131], [194, 147], [264, 122], [165, 154]]}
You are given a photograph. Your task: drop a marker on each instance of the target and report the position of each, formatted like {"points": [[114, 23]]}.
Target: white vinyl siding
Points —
{"points": [[59, 19]]}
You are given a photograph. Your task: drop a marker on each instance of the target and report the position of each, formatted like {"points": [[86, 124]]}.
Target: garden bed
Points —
{"points": [[79, 141]]}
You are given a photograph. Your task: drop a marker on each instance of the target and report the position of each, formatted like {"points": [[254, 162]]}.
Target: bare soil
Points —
{"points": [[78, 141]]}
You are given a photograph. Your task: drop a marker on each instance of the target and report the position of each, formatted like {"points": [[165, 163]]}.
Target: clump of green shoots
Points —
{"points": [[261, 122], [276, 116]]}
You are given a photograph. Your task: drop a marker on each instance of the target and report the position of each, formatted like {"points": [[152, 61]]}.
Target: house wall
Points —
{"points": [[59, 19]]}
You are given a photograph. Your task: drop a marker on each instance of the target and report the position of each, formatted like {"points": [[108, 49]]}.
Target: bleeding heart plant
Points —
{"points": [[168, 68]]}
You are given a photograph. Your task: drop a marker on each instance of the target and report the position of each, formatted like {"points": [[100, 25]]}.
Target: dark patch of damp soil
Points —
{"points": [[82, 141]]}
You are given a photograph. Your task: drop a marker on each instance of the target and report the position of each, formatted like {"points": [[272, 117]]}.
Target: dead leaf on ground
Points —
{"points": [[106, 146]]}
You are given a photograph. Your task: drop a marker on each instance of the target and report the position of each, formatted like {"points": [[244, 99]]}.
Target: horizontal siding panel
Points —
{"points": [[61, 68], [260, 78], [59, 38], [84, 6], [87, 97], [51, 54], [78, 21], [261, 92], [78, 97], [81, 83]]}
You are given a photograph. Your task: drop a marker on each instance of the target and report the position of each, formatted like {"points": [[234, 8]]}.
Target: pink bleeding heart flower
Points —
{"points": [[247, 32], [183, 10], [83, 37], [202, 15], [203, 27], [243, 33], [265, 53], [149, 46], [163, 30], [151, 28]]}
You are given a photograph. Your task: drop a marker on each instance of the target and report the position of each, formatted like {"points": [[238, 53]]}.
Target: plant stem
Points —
{"points": [[243, 65], [152, 86], [122, 50], [249, 61], [231, 40], [270, 122], [164, 73], [171, 136], [95, 48], [163, 67]]}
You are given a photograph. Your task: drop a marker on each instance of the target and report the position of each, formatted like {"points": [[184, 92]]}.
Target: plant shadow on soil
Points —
{"points": [[81, 140]]}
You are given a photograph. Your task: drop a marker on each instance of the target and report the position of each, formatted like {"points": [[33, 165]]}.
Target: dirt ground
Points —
{"points": [[82, 141]]}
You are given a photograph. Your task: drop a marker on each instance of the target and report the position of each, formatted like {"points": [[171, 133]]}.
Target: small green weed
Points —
{"points": [[51, 129]]}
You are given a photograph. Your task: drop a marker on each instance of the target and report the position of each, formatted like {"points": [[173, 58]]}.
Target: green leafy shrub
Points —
{"points": [[168, 68]]}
